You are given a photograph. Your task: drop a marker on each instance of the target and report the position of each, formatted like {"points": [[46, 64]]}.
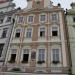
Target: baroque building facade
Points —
{"points": [[70, 20], [38, 40], [7, 11]]}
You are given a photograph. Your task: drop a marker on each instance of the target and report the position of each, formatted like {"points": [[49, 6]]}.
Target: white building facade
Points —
{"points": [[38, 41], [7, 11]]}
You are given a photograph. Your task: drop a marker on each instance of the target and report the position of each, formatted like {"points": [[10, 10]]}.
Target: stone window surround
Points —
{"points": [[40, 17], [56, 17], [28, 18], [26, 32], [57, 30], [22, 21], [39, 31]]}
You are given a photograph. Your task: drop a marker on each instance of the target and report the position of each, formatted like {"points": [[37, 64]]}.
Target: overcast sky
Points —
{"points": [[64, 3]]}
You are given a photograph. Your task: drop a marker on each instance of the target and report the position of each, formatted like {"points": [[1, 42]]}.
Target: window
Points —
{"points": [[20, 19], [17, 35], [73, 19], [54, 17], [1, 20], [25, 56], [1, 49], [42, 17], [9, 19], [13, 56], [30, 19], [29, 33], [55, 53], [54, 31], [4, 32], [33, 55], [41, 55], [42, 32]]}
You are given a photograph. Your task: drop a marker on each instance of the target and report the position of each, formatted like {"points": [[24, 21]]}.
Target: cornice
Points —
{"points": [[39, 10]]}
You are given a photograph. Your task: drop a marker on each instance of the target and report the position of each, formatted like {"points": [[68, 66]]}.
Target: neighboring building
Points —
{"points": [[70, 17], [38, 41], [7, 11]]}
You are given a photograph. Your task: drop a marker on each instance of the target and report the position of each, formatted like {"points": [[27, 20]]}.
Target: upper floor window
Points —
{"points": [[55, 55], [1, 49], [54, 31], [20, 19], [54, 17], [43, 17], [25, 56], [1, 20], [4, 32], [8, 19], [73, 19], [42, 32], [17, 35], [30, 18], [41, 55], [13, 56], [29, 33]]}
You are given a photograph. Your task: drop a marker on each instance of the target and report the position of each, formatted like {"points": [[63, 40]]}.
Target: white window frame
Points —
{"points": [[12, 53], [45, 17], [57, 30], [40, 53], [6, 33], [55, 53], [31, 32], [37, 53], [19, 18], [15, 52], [7, 19], [28, 18], [60, 54], [39, 32], [23, 53], [15, 31], [57, 17]]}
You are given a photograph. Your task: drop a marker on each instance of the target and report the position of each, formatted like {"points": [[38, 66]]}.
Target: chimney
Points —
{"points": [[29, 4]]}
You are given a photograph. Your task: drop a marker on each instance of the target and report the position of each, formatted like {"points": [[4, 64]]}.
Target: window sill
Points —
{"points": [[11, 62], [40, 62], [16, 37], [42, 37], [55, 36], [24, 62], [28, 37], [30, 23], [55, 62]]}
